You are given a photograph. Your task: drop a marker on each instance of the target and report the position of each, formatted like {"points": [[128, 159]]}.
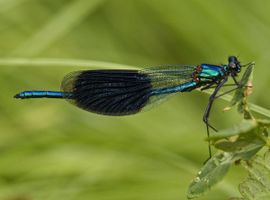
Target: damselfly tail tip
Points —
{"points": [[18, 96]]}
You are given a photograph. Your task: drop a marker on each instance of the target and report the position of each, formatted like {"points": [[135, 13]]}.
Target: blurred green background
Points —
{"points": [[52, 150]]}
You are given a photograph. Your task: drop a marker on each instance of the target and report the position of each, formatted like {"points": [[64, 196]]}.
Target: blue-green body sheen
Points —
{"points": [[179, 88], [207, 74], [211, 71], [40, 94]]}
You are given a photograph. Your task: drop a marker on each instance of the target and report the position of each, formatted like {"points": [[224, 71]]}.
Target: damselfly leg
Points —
{"points": [[208, 110]]}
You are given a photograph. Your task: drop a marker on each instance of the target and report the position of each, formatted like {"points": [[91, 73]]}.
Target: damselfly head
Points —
{"points": [[234, 65]]}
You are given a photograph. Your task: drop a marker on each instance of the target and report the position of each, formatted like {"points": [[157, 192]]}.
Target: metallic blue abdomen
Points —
{"points": [[210, 71]]}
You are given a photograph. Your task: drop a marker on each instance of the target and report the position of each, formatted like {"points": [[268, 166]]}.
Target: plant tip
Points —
{"points": [[227, 109]]}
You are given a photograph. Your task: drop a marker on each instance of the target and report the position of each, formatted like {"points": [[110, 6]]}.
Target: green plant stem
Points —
{"points": [[47, 62], [42, 62]]}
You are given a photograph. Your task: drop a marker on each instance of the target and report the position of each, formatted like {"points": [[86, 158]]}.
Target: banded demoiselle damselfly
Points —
{"points": [[125, 92]]}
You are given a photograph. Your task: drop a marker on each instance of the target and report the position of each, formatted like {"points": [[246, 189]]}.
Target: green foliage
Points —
{"points": [[240, 95], [257, 185], [211, 173], [239, 143]]}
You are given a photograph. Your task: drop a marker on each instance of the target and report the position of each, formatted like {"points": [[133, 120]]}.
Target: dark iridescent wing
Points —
{"points": [[122, 92], [110, 92]]}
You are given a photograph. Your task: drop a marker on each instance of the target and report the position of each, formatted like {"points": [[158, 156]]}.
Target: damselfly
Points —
{"points": [[125, 92]]}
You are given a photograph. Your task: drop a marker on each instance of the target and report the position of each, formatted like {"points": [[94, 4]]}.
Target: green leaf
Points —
{"points": [[241, 144], [248, 151], [240, 93], [243, 140], [267, 158], [244, 90], [217, 167], [247, 74], [246, 126], [263, 122], [252, 190], [211, 173], [257, 185]]}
